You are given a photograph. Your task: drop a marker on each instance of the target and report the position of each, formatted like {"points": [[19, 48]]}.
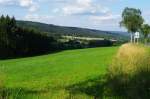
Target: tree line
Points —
{"points": [[17, 41], [133, 21]]}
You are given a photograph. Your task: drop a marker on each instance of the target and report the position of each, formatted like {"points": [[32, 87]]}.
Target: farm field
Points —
{"points": [[74, 49], [48, 76]]}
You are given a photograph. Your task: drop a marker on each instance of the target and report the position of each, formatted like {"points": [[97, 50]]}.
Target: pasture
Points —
{"points": [[48, 76]]}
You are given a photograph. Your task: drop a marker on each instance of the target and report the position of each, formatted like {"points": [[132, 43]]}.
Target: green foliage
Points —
{"points": [[145, 30], [95, 43], [16, 41], [132, 19]]}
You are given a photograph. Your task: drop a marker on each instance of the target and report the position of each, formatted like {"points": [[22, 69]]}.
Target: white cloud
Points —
{"points": [[7, 2], [105, 18], [29, 4], [38, 18], [89, 13], [84, 7], [26, 3], [32, 6]]}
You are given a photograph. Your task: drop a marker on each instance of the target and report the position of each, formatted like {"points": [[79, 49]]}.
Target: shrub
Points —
{"points": [[129, 73]]}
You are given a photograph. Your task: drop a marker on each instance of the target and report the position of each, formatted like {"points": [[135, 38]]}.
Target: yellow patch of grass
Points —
{"points": [[130, 59], [129, 73]]}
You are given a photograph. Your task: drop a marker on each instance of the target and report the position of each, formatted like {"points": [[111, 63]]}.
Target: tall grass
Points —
{"points": [[129, 73]]}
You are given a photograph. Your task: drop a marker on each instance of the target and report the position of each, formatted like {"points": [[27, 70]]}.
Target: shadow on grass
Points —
{"points": [[28, 55], [137, 87], [118, 87], [93, 87], [19, 93]]}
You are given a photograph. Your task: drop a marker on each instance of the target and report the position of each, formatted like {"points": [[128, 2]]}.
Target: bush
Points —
{"points": [[100, 43], [129, 73]]}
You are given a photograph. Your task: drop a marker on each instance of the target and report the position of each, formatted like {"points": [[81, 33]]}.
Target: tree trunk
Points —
{"points": [[131, 40]]}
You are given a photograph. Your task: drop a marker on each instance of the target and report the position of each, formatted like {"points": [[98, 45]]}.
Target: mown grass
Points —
{"points": [[48, 76]]}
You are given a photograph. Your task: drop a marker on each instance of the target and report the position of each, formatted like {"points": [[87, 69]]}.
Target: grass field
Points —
{"points": [[47, 76]]}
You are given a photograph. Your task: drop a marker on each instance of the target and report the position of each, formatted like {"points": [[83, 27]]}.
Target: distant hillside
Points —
{"points": [[72, 31]]}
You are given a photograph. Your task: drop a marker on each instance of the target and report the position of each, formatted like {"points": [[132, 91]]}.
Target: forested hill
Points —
{"points": [[73, 31]]}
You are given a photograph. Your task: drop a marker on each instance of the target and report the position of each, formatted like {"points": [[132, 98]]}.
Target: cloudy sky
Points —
{"points": [[95, 14]]}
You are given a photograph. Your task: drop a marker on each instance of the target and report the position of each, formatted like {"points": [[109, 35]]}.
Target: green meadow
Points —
{"points": [[49, 76]]}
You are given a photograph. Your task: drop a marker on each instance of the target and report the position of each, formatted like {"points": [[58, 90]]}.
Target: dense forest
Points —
{"points": [[17, 41]]}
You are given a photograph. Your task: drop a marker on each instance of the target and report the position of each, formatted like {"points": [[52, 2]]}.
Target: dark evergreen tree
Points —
{"points": [[16, 41]]}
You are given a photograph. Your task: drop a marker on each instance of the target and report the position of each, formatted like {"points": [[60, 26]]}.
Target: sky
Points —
{"points": [[94, 14]]}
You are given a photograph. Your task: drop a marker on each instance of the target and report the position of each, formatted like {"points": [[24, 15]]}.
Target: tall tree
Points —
{"points": [[145, 30], [132, 20]]}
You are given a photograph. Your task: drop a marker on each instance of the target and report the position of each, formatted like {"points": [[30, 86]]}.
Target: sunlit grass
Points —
{"points": [[47, 76]]}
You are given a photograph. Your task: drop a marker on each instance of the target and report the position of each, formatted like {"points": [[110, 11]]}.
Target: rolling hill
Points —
{"points": [[54, 30]]}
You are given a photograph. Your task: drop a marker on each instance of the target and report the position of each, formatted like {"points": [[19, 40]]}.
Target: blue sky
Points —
{"points": [[95, 14]]}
